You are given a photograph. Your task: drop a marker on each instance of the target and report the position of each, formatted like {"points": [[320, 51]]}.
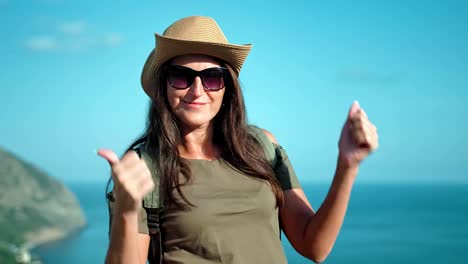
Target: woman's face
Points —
{"points": [[195, 106]]}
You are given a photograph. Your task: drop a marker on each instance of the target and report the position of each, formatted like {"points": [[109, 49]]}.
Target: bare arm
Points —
{"points": [[126, 244], [132, 180], [314, 234]]}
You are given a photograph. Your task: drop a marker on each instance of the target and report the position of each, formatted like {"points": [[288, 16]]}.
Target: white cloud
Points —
{"points": [[73, 28], [75, 36], [42, 43], [113, 39]]}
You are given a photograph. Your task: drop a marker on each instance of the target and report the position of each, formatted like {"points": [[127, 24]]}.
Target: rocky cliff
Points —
{"points": [[34, 208]]}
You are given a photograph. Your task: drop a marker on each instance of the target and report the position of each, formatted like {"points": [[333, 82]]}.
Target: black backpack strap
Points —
{"points": [[110, 207], [152, 206], [155, 249]]}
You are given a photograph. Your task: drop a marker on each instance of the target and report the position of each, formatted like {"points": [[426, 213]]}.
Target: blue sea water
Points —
{"points": [[385, 223]]}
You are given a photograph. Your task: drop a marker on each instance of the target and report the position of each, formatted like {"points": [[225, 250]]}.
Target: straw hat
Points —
{"points": [[192, 35]]}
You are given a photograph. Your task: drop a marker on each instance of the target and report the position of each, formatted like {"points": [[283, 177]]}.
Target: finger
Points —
{"points": [[133, 172], [368, 128], [359, 116], [374, 141], [109, 155], [364, 114], [360, 139], [128, 165], [141, 171], [371, 127], [146, 185], [361, 113], [360, 121], [140, 184], [372, 138], [131, 157], [353, 109], [375, 144]]}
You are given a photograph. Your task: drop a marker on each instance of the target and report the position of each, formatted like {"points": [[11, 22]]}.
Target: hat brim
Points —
{"points": [[168, 48]]}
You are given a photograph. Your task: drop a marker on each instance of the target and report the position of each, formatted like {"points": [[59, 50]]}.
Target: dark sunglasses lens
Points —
{"points": [[213, 79], [179, 78]]}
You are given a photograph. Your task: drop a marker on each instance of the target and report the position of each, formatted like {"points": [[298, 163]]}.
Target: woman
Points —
{"points": [[223, 198]]}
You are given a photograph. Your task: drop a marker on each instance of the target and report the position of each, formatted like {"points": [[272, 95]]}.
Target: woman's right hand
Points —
{"points": [[132, 180]]}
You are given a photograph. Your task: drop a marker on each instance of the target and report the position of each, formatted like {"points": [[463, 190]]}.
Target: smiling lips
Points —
{"points": [[194, 104]]}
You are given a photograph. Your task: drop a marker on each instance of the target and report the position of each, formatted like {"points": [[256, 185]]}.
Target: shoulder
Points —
{"points": [[262, 134], [270, 136]]}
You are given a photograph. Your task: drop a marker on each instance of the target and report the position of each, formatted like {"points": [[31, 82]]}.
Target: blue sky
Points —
{"points": [[70, 80]]}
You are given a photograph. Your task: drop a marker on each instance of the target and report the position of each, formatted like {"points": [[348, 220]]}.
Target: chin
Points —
{"points": [[194, 121]]}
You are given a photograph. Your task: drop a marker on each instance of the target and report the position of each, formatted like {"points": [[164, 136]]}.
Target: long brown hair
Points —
{"points": [[240, 149]]}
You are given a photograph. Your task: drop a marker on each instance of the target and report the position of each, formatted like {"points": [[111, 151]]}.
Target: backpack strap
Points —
{"points": [[272, 153], [267, 145], [152, 203], [155, 252], [152, 199]]}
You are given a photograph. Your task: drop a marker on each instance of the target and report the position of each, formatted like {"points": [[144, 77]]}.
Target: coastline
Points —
{"points": [[382, 223], [43, 237], [50, 235], [23, 253]]}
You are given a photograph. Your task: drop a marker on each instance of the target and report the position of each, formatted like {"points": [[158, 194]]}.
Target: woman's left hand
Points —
{"points": [[358, 138]]}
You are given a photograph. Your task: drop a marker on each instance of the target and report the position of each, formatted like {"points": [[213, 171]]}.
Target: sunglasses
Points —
{"points": [[181, 77]]}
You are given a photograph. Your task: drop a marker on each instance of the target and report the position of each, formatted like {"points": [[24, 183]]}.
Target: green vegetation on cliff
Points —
{"points": [[34, 207]]}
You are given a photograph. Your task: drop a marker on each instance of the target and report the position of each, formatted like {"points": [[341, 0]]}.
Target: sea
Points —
{"points": [[385, 223]]}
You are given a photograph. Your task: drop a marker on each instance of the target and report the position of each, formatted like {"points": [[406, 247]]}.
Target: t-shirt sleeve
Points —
{"points": [[284, 170], [142, 217]]}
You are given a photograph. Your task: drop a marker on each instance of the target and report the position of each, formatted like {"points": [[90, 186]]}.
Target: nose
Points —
{"points": [[196, 89]]}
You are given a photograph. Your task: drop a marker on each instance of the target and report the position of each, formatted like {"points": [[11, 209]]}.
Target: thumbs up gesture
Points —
{"points": [[358, 137], [132, 179]]}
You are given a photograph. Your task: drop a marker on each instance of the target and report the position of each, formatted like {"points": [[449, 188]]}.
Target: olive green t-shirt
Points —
{"points": [[235, 219]]}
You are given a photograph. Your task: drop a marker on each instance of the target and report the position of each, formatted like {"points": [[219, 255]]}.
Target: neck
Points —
{"points": [[197, 143]]}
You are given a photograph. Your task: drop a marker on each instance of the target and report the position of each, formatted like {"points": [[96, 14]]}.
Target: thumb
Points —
{"points": [[353, 109], [109, 155]]}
